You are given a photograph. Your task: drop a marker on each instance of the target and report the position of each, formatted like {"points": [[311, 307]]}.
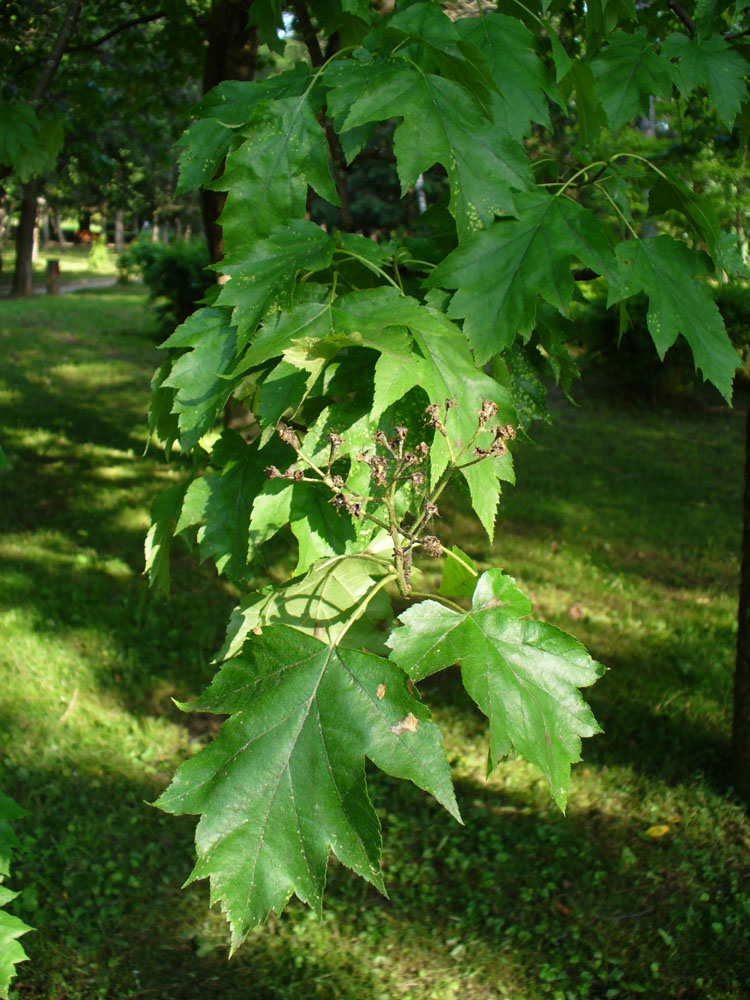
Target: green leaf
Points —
{"points": [[283, 784], [11, 951], [665, 270], [11, 928], [710, 62], [500, 272], [221, 501], [262, 277], [439, 40], [523, 675], [669, 192], [517, 69], [590, 114], [204, 146], [442, 123], [233, 102], [283, 149], [457, 580], [29, 145], [162, 421], [324, 603], [524, 366], [199, 375], [10, 811], [165, 510], [627, 72], [320, 531]]}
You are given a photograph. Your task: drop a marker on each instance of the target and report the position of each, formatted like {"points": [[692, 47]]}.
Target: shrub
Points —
{"points": [[99, 257], [175, 275]]}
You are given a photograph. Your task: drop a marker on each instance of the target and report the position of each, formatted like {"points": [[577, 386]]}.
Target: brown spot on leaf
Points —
{"points": [[381, 691], [408, 724]]}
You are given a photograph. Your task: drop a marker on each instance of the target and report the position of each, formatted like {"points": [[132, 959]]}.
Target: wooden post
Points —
{"points": [[53, 277]]}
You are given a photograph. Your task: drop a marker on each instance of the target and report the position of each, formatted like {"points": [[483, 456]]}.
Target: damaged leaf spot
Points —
{"points": [[408, 724], [381, 692]]}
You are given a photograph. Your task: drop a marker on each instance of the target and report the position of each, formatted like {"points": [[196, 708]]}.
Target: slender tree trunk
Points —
{"points": [[23, 285], [44, 223], [57, 227], [119, 230], [741, 723], [230, 55], [25, 238]]}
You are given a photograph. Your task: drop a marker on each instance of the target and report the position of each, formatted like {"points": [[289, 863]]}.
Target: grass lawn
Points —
{"points": [[75, 265], [624, 528]]}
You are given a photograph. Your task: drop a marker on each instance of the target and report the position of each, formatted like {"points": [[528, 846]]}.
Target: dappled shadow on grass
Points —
{"points": [[518, 897]]}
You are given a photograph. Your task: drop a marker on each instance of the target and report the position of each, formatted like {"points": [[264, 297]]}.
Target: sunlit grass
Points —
{"points": [[75, 265], [624, 529]]}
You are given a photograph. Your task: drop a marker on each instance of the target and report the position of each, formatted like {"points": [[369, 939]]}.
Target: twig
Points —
{"points": [[676, 7]]}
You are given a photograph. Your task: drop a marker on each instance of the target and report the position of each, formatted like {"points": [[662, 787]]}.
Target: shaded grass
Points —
{"points": [[625, 530]]}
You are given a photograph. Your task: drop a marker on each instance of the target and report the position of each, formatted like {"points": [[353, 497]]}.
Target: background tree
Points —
{"points": [[90, 68]]}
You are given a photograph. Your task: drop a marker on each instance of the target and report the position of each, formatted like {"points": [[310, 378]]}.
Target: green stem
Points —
{"points": [[617, 208], [438, 597], [583, 170], [372, 267], [460, 561]]}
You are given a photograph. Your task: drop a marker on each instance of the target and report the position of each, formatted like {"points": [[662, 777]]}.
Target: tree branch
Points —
{"points": [[49, 68], [116, 31], [338, 160], [308, 33], [676, 7]]}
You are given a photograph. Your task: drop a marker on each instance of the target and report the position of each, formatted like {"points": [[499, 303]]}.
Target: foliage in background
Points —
{"points": [[376, 372], [11, 927], [175, 275], [627, 354]]}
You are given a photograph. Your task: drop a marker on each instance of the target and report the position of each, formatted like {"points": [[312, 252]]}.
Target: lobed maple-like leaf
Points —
{"points": [[316, 525], [327, 602], [198, 377], [499, 272], [263, 275], [627, 72], [665, 269], [443, 123], [283, 783], [710, 62], [518, 71], [524, 675], [282, 149], [220, 502]]}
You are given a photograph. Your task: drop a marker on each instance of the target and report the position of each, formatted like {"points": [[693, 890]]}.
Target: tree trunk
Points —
{"points": [[119, 230], [57, 226], [44, 214], [23, 285], [71, 13], [230, 55], [741, 723]]}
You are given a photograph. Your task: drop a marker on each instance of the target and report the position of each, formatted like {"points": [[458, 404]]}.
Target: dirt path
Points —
{"points": [[80, 286]]}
